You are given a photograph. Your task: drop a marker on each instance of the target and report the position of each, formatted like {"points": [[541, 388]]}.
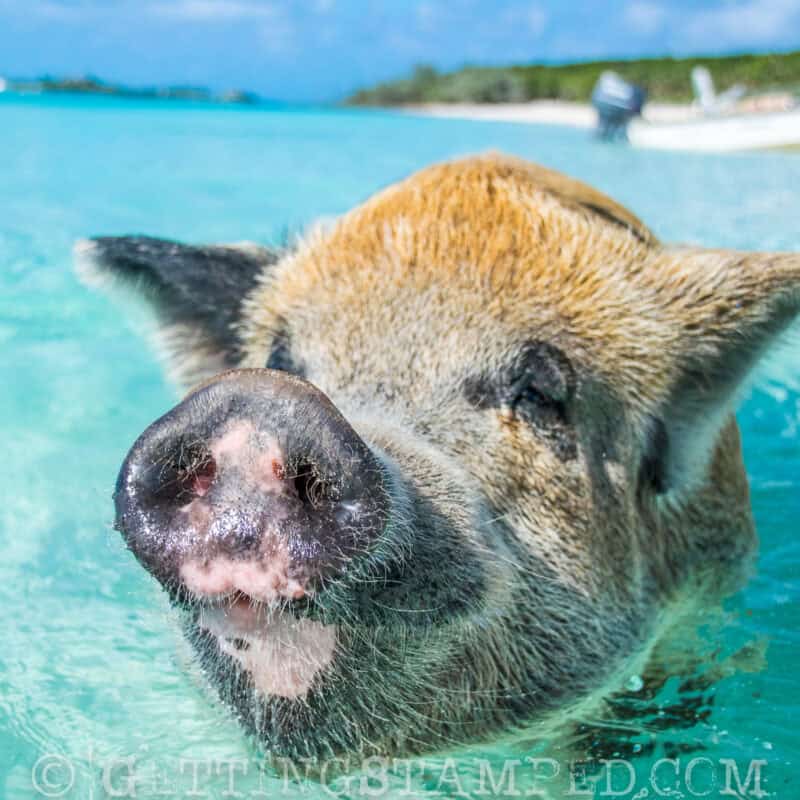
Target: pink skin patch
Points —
{"points": [[264, 577], [260, 457], [264, 582], [282, 654]]}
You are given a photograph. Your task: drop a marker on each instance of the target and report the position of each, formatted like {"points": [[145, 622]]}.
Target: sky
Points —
{"points": [[320, 50]]}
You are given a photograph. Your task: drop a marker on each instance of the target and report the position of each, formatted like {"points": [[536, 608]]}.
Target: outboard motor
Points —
{"points": [[616, 102]]}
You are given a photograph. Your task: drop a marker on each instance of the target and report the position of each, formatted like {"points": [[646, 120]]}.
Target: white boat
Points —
{"points": [[723, 133]]}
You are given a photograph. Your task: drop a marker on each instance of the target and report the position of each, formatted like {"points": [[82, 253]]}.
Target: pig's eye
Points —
{"points": [[539, 399], [544, 383], [537, 386]]}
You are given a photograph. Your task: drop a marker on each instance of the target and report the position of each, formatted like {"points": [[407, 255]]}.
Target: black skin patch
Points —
{"points": [[200, 286], [280, 355], [654, 466], [537, 388]]}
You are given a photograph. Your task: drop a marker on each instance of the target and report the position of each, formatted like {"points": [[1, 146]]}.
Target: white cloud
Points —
{"points": [[728, 24], [278, 35], [52, 10], [531, 19], [275, 30], [213, 10], [428, 16], [56, 11], [752, 22], [537, 20], [645, 17]]}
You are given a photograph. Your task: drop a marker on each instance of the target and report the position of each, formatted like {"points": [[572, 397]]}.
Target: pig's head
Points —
{"points": [[450, 461]]}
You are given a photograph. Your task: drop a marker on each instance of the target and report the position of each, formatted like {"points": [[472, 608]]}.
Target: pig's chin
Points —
{"points": [[279, 654]]}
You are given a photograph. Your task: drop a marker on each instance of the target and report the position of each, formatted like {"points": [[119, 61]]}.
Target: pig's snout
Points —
{"points": [[255, 487]]}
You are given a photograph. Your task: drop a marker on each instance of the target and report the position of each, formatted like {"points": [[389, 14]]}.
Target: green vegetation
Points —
{"points": [[666, 79], [92, 85]]}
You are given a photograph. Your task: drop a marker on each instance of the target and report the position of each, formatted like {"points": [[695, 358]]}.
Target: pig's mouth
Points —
{"points": [[280, 652], [262, 629]]}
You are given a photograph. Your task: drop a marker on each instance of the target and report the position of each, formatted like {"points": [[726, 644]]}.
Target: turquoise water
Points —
{"points": [[91, 667]]}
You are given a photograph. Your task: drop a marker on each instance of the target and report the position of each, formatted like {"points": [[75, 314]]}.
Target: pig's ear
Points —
{"points": [[725, 310], [196, 293]]}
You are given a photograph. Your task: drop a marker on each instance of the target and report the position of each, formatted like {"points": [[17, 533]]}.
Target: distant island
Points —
{"points": [[95, 86], [665, 79]]}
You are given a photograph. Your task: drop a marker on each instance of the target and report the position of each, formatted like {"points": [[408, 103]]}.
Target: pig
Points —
{"points": [[448, 467]]}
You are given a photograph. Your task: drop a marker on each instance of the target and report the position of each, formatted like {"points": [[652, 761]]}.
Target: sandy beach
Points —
{"points": [[548, 112], [671, 126]]}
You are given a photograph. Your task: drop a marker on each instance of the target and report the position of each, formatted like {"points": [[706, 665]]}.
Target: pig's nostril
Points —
{"points": [[311, 488], [203, 476], [195, 470]]}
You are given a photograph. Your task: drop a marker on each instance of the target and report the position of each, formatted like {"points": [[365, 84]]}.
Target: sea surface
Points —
{"points": [[95, 696]]}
